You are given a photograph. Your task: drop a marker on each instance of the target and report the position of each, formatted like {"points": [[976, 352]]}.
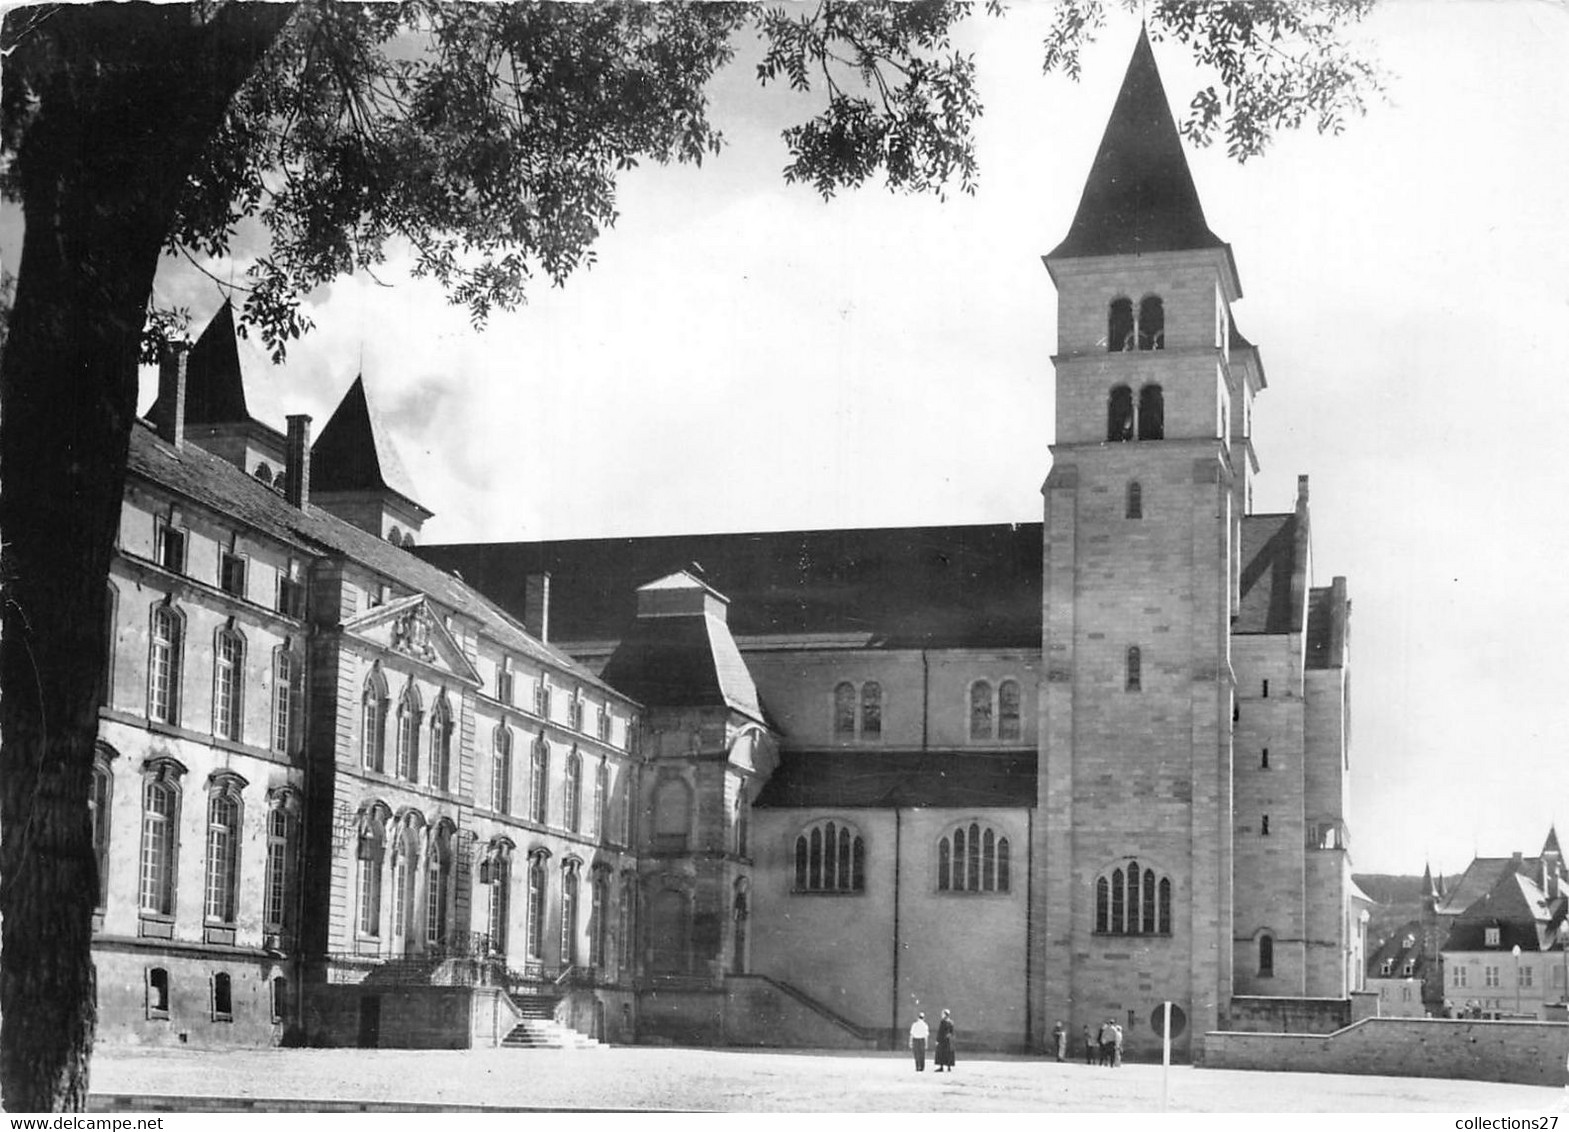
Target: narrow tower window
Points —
{"points": [[1119, 414], [1135, 507], [1152, 413], [1266, 955], [1119, 326], [1135, 670], [1152, 323]]}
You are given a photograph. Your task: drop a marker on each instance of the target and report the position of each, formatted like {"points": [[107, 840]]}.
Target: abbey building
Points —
{"points": [[777, 788]]}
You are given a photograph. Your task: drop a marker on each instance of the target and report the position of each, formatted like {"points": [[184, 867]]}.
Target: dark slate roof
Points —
{"points": [[220, 486], [1405, 944], [354, 451], [968, 586], [1481, 876], [880, 779], [1524, 915], [688, 661], [1269, 556], [1140, 195], [214, 385]]}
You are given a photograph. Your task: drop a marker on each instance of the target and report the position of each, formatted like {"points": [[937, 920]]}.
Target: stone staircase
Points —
{"points": [[539, 1029]]}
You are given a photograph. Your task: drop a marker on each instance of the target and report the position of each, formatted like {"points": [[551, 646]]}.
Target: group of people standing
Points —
{"points": [[919, 1032]]}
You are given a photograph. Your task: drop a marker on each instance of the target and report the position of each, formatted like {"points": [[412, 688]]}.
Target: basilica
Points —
{"points": [[773, 788]]}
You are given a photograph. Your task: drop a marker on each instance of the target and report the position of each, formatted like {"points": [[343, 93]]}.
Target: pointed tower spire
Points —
{"points": [[1140, 195], [356, 472], [1551, 844], [215, 387]]}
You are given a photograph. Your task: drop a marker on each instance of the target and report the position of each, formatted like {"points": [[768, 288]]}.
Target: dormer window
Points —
{"points": [[171, 548], [1491, 936]]}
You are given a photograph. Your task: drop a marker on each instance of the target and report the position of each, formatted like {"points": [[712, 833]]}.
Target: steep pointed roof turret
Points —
{"points": [[1140, 195], [354, 451], [1551, 844], [214, 385]]}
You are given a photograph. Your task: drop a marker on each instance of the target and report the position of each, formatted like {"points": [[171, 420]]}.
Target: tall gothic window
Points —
{"points": [[1009, 722], [223, 852], [981, 709], [408, 735], [973, 858], [228, 683], [278, 882], [101, 804], [536, 906], [164, 663], [538, 771], [598, 930], [844, 710], [830, 856], [601, 793], [370, 857], [373, 722], [496, 875], [441, 744], [569, 897], [871, 710], [438, 885], [572, 792], [1130, 900], [501, 770], [287, 673], [160, 841]]}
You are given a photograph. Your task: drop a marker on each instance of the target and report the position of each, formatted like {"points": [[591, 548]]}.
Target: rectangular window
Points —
{"points": [[222, 998], [1491, 936], [171, 548], [504, 682], [231, 573], [1527, 976], [1461, 977], [285, 701], [291, 596], [228, 666], [1558, 978], [1490, 976]]}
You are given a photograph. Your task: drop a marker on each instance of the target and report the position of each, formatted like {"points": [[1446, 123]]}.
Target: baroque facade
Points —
{"points": [[357, 790]]}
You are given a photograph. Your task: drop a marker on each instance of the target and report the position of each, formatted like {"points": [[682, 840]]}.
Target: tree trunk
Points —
{"points": [[107, 108]]}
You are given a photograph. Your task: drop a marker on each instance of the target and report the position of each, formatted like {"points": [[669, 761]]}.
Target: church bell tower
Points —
{"points": [[1143, 509]]}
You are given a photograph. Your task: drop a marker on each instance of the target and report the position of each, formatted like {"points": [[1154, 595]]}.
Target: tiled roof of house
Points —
{"points": [[1140, 195], [1404, 946], [929, 779], [894, 587], [220, 486], [1525, 916]]}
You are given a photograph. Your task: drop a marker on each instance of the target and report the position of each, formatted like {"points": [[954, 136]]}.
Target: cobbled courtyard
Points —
{"points": [[621, 1078]]}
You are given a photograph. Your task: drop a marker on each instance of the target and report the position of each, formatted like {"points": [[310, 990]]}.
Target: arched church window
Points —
{"points": [[973, 858], [1135, 502], [1132, 900], [1152, 413], [1119, 326], [830, 857], [1119, 414], [980, 710], [1152, 323]]}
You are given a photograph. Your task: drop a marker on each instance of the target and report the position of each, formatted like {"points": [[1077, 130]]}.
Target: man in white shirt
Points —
{"points": [[918, 1033]]}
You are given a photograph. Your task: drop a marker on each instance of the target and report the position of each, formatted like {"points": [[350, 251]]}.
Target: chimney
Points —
{"points": [[297, 461], [171, 392], [536, 605]]}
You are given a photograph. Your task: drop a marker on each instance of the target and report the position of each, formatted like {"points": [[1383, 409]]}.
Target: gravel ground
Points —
{"points": [[755, 1081]]}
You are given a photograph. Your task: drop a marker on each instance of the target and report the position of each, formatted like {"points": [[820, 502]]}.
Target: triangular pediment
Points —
{"points": [[408, 627]]}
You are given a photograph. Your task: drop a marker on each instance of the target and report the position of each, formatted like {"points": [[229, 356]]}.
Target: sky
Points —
{"points": [[744, 356]]}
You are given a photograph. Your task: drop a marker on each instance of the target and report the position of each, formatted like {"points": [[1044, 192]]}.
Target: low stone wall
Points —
{"points": [[1260, 1014], [415, 1017], [1523, 1053]]}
